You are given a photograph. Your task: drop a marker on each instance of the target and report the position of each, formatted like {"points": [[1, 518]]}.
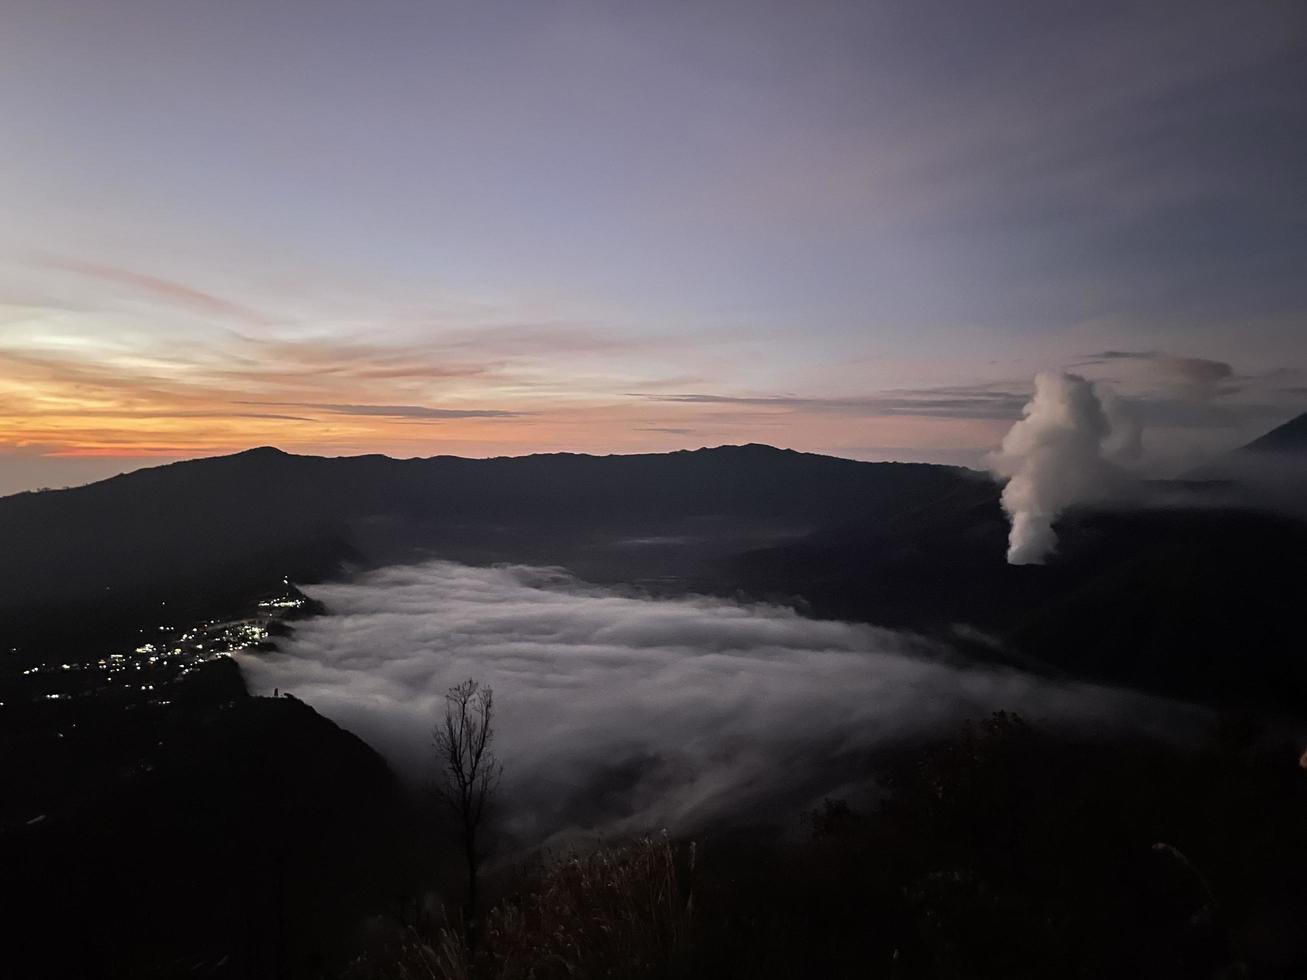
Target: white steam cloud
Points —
{"points": [[620, 712], [1065, 451]]}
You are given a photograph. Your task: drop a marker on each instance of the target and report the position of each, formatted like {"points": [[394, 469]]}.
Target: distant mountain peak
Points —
{"points": [[1291, 437], [263, 451], [755, 448]]}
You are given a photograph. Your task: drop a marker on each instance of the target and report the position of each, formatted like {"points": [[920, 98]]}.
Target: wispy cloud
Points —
{"points": [[1199, 376], [958, 402], [130, 414], [156, 288], [400, 411]]}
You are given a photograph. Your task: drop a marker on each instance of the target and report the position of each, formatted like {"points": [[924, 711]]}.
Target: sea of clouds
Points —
{"points": [[618, 712]]}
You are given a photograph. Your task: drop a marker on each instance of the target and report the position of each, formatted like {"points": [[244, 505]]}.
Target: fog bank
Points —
{"points": [[621, 712]]}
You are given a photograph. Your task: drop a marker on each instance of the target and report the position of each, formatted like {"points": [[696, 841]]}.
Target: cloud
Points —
{"points": [[622, 712], [128, 414], [175, 293], [514, 341], [1193, 407], [1198, 377], [1123, 355], [960, 402], [399, 411]]}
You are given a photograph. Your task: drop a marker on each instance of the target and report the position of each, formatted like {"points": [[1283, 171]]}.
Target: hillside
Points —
{"points": [[207, 833], [195, 538], [1192, 595], [1291, 437]]}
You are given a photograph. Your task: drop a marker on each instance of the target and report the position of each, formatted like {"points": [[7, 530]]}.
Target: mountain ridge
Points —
{"points": [[237, 524], [270, 453]]}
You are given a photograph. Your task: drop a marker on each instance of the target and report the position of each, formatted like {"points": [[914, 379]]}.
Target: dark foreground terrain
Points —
{"points": [[1000, 851], [192, 830], [158, 821]]}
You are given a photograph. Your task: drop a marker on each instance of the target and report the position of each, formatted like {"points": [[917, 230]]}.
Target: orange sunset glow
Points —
{"points": [[157, 369]]}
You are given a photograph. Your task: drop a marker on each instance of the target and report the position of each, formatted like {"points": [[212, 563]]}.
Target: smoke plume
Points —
{"points": [[1065, 451], [621, 712]]}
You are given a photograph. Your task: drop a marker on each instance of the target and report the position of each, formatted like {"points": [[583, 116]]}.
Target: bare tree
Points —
{"points": [[469, 774]]}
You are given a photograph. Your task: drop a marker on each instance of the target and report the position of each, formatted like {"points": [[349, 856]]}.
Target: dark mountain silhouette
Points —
{"points": [[1195, 603], [1268, 473], [1291, 437], [193, 538]]}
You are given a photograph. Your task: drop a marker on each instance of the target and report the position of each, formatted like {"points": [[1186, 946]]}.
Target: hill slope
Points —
{"points": [[196, 535], [1291, 437]]}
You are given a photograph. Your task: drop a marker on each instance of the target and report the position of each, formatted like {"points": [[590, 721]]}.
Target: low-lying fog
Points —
{"points": [[621, 712]]}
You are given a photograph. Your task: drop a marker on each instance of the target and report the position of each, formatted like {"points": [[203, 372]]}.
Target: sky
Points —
{"points": [[416, 227]]}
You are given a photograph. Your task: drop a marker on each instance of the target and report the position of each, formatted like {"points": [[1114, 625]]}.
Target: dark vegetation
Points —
{"points": [[467, 777], [218, 834], [1196, 604], [248, 837], [1002, 851]]}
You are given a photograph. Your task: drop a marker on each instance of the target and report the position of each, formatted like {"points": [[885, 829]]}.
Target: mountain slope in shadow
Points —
{"points": [[215, 834], [185, 539], [1191, 592]]}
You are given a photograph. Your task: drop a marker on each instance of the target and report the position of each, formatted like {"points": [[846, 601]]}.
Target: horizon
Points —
{"points": [[154, 462], [851, 229]]}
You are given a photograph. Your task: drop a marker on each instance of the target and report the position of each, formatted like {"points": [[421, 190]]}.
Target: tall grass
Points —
{"points": [[623, 910]]}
